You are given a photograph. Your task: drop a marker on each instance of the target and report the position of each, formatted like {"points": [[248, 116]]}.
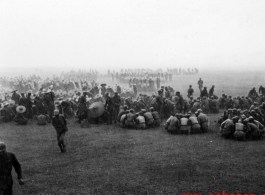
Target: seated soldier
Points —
{"points": [[240, 131], [195, 127], [174, 125], [140, 121], [227, 128], [260, 127], [253, 130], [122, 112], [19, 118], [184, 128], [156, 117], [203, 121], [149, 120], [130, 120], [166, 125], [7, 112], [123, 119]]}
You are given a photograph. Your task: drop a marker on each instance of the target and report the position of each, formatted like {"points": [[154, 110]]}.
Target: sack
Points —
{"points": [[42, 120]]}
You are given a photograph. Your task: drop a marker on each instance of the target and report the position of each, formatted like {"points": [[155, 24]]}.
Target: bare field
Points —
{"points": [[109, 160]]}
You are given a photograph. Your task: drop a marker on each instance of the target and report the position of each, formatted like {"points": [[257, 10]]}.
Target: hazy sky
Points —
{"points": [[137, 33]]}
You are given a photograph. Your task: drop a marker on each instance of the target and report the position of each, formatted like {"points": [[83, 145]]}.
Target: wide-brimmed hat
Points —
{"points": [[70, 93], [14, 90], [21, 109], [103, 84], [12, 103], [5, 103]]}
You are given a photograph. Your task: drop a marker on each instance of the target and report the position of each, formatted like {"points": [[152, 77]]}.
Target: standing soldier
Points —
{"points": [[15, 96], [109, 108], [7, 161], [200, 83], [190, 91], [158, 81], [116, 100], [60, 125]]}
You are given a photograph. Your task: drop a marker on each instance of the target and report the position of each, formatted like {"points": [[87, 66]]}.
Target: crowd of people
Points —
{"points": [[182, 71], [145, 80], [244, 117], [52, 101]]}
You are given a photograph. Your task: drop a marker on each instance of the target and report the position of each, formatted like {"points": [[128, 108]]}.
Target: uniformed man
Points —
{"points": [[109, 108], [116, 100], [60, 125], [204, 92], [190, 91], [193, 122], [148, 118], [7, 161], [203, 121], [200, 84], [130, 119], [140, 121], [156, 117], [184, 128], [227, 128]]}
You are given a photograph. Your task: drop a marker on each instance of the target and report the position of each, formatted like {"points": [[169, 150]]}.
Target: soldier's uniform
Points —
{"points": [[116, 100]]}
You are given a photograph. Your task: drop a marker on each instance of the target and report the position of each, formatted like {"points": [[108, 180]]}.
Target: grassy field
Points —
{"points": [[109, 160]]}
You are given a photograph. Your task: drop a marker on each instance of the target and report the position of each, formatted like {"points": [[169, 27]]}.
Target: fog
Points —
{"points": [[58, 35]]}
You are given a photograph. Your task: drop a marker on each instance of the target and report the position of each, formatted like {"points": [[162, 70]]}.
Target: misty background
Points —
{"points": [[47, 37]]}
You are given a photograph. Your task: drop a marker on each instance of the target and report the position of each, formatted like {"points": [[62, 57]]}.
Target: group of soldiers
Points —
{"points": [[244, 117], [144, 80], [179, 71]]}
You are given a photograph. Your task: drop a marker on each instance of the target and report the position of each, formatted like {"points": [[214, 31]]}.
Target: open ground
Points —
{"points": [[106, 159]]}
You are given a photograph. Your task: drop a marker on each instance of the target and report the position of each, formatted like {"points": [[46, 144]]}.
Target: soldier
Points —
{"points": [[194, 124], [158, 81], [60, 125], [200, 84], [159, 102], [240, 130], [140, 121], [190, 91], [227, 128], [173, 124], [116, 100], [184, 128], [156, 117], [109, 108], [253, 94], [15, 96], [103, 89], [7, 112], [262, 90], [122, 112], [7, 161], [148, 118], [204, 92], [130, 119], [211, 91], [203, 121]]}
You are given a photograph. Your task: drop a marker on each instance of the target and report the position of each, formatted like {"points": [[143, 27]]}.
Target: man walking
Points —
{"points": [[7, 161], [60, 125]]}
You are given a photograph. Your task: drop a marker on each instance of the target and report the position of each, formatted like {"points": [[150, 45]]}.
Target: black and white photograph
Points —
{"points": [[132, 97]]}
